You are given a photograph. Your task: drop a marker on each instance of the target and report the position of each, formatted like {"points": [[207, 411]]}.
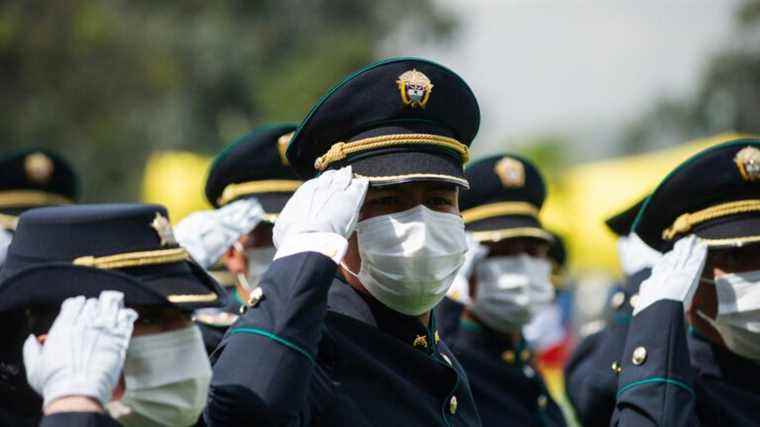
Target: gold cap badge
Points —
{"points": [[282, 147], [39, 168], [511, 172], [415, 88], [164, 230], [748, 162]]}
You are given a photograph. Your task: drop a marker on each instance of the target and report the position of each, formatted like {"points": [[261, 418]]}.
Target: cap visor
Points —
{"points": [[398, 167]]}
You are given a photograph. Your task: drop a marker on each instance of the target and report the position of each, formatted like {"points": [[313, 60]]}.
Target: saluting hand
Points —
{"points": [[84, 351], [676, 275]]}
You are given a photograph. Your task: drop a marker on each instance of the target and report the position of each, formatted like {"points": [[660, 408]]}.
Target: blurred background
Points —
{"points": [[605, 96]]}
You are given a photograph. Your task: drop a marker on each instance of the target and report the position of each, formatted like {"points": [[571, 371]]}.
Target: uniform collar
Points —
{"points": [[716, 361], [344, 299]]}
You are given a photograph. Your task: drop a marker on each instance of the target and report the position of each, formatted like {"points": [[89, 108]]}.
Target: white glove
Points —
{"points": [[635, 255], [675, 276], [207, 235], [327, 205], [460, 288], [5, 241], [84, 352]]}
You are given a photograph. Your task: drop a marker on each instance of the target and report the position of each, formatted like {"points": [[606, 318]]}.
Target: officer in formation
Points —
{"points": [[591, 373], [343, 324], [504, 283], [28, 179], [248, 184], [88, 355]]}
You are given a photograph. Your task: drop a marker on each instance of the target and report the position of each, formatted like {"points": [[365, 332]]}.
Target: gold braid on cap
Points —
{"points": [[31, 198], [496, 209], [234, 191], [134, 259], [685, 222], [340, 150]]}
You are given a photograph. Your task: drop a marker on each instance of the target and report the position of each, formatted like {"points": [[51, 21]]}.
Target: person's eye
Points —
{"points": [[440, 201]]}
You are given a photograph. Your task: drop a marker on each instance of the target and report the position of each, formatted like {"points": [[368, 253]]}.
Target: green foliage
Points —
{"points": [[108, 82]]}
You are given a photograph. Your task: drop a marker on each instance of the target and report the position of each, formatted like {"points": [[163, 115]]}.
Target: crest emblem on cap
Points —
{"points": [[164, 230], [415, 88], [38, 167], [282, 147], [511, 172], [748, 162]]}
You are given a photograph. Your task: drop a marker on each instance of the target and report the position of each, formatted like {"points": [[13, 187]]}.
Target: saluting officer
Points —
{"points": [[503, 285], [591, 373], [344, 334], [28, 178], [88, 355], [701, 368], [248, 184]]}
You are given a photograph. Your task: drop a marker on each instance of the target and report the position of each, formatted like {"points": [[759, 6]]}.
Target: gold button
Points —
{"points": [[634, 301], [437, 337], [508, 356], [542, 401], [420, 341], [639, 355], [616, 367], [525, 355], [446, 358], [618, 298], [453, 405]]}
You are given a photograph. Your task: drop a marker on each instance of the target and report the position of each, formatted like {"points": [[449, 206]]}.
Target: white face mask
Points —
{"points": [[511, 290], [635, 255], [738, 318], [410, 258], [166, 379]]}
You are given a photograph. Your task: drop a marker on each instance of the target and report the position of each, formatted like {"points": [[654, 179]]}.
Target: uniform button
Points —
{"points": [[420, 341], [453, 405], [446, 358], [634, 301], [542, 401], [528, 371], [437, 337], [508, 356], [618, 298], [616, 368], [639, 356], [525, 355]]}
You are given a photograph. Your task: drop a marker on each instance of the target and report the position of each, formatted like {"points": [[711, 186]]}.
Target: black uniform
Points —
{"points": [[316, 352], [505, 385]]}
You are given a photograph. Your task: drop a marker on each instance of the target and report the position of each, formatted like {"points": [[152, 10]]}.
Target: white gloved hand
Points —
{"points": [[675, 276], [460, 287], [329, 203], [5, 241], [84, 352], [207, 235]]}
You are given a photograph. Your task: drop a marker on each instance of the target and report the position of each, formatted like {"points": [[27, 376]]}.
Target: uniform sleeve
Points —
{"points": [[656, 385], [264, 365], [78, 419]]}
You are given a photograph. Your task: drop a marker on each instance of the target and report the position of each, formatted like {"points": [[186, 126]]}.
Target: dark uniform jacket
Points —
{"points": [[316, 352], [672, 377], [507, 389], [590, 379]]}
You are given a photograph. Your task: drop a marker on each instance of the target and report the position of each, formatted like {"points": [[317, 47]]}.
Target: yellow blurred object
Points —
{"points": [[176, 179]]}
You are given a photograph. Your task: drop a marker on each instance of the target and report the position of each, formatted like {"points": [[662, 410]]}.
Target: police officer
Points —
{"points": [[28, 178], [80, 357], [344, 334], [504, 284], [248, 184], [591, 373], [698, 369]]}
